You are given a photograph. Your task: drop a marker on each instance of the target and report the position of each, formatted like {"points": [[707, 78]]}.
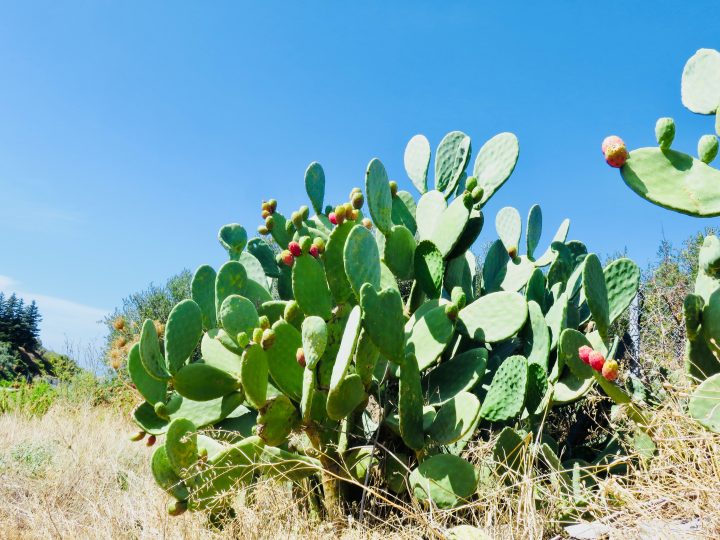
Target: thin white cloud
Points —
{"points": [[64, 321]]}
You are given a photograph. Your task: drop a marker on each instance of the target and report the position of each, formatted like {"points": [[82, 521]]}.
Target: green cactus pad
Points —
{"points": [[494, 267], [362, 259], [534, 230], [444, 479], [284, 369], [345, 352], [560, 235], [417, 161], [314, 340], [238, 314], [460, 272], [557, 319], [345, 396], [410, 404], [596, 294], [308, 394], [254, 269], [430, 209], [622, 277], [495, 163], [215, 354], [509, 451], [231, 279], [404, 211], [429, 268], [470, 233], [451, 159], [455, 418], [704, 403], [537, 392], [570, 388], [570, 342], [535, 289], [379, 199], [260, 249], [517, 273], [276, 420], [536, 337], [461, 373], [700, 87], [165, 475], [233, 238], [181, 445], [254, 375], [315, 185], [399, 251], [674, 180], [509, 228], [152, 389], [505, 398], [203, 293], [287, 466], [494, 317], [335, 263], [383, 319], [366, 357], [279, 232], [700, 362], [312, 292], [203, 382], [450, 226], [429, 336], [150, 353]]}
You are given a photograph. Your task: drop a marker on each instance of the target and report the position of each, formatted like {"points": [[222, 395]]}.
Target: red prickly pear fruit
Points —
{"points": [[610, 370], [300, 357], [367, 224], [314, 251], [272, 203], [287, 258], [268, 338], [451, 310], [596, 360], [333, 218], [615, 151], [151, 440], [269, 222], [357, 200], [294, 248], [584, 353], [139, 436], [257, 335], [393, 188]]}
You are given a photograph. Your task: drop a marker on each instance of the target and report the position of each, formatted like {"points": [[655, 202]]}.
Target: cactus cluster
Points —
{"points": [[680, 182], [310, 354]]}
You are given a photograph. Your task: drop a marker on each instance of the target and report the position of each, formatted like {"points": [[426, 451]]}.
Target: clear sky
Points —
{"points": [[131, 131]]}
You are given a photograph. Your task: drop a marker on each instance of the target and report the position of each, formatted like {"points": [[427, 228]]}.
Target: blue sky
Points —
{"points": [[131, 131]]}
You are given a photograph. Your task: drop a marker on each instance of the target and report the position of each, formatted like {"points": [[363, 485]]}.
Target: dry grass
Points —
{"points": [[74, 474]]}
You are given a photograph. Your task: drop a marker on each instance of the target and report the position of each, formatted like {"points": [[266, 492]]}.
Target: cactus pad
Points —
{"points": [[315, 185], [495, 163], [284, 369], [233, 238], [202, 382], [509, 228], [704, 403], [460, 373], [700, 86], [444, 479], [276, 420], [152, 389], [383, 319], [238, 314], [203, 293], [455, 418], [150, 353], [379, 198], [428, 337], [430, 209], [417, 161], [493, 317], [399, 252], [450, 226], [410, 404], [362, 259], [505, 398], [314, 339], [231, 279], [254, 375], [311, 289], [429, 268], [622, 277], [451, 159]]}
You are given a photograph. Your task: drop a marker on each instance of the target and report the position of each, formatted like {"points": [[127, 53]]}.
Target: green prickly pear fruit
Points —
{"points": [[319, 243], [269, 222], [471, 183], [287, 258], [265, 214], [272, 204], [305, 243], [584, 353], [243, 340], [300, 356], [393, 188], [289, 226], [268, 338], [468, 199], [151, 440], [264, 205], [263, 230], [340, 212], [296, 219], [596, 360], [610, 370], [139, 436], [257, 335], [353, 191], [295, 249], [615, 151], [357, 201], [451, 310], [263, 322], [291, 311], [477, 194], [367, 224], [457, 296], [333, 218], [161, 410], [176, 508], [707, 148], [304, 211], [665, 132]]}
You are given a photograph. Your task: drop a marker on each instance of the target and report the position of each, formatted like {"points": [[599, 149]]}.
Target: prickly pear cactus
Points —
{"points": [[305, 334]]}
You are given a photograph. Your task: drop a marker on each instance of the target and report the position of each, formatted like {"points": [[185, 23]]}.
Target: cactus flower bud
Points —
{"points": [[294, 248], [263, 230], [596, 360], [451, 310], [139, 436], [584, 353], [314, 251], [333, 218], [257, 335], [610, 370], [269, 222], [367, 224], [287, 258], [615, 151], [707, 148], [151, 440], [268, 338], [272, 204], [393, 188], [243, 340], [300, 356], [664, 132]]}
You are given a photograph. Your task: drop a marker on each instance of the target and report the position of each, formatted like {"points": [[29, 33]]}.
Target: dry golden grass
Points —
{"points": [[74, 474]]}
